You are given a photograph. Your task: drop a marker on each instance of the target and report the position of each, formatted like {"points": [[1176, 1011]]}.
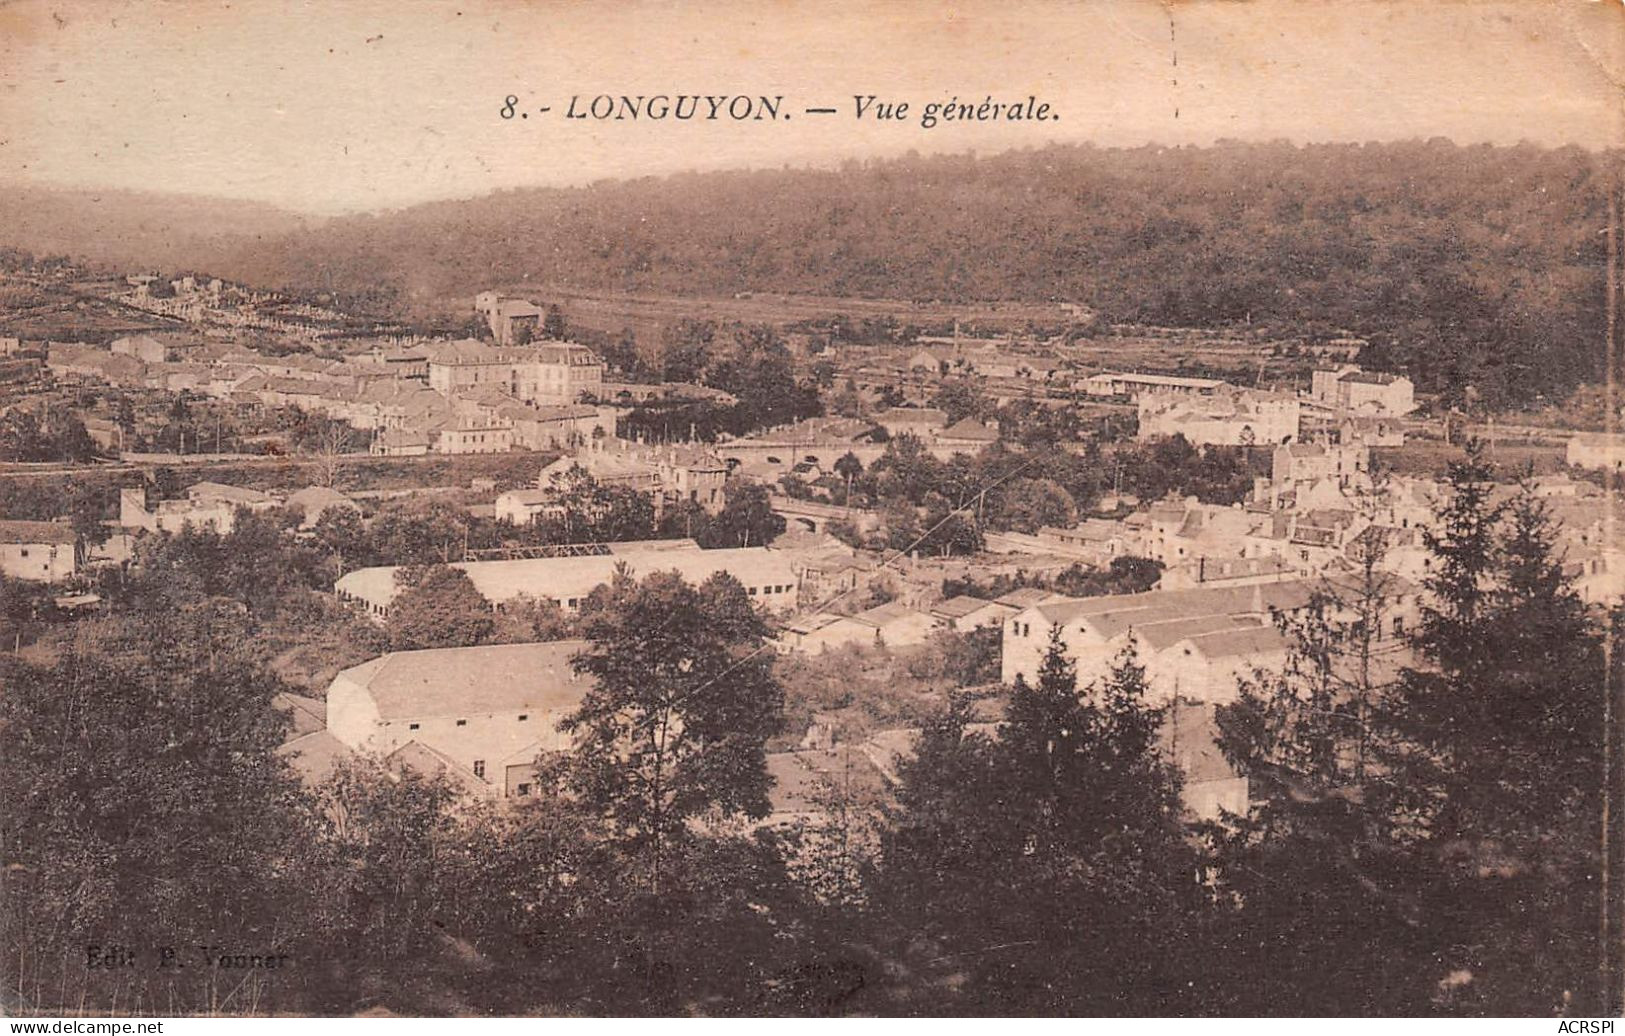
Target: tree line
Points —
{"points": [[1421, 841], [1477, 266]]}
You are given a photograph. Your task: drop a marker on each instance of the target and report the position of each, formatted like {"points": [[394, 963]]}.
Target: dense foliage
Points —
{"points": [[1422, 838], [1473, 266]]}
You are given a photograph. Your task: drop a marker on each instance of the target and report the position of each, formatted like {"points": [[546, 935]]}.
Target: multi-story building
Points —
{"points": [[206, 505], [1346, 466], [550, 373], [669, 474], [156, 348], [512, 321], [1347, 387]]}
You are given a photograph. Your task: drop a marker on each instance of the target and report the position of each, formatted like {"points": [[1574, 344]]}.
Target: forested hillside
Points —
{"points": [[1480, 266]]}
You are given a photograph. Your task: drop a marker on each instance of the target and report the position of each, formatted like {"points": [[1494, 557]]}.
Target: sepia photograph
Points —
{"points": [[547, 509]]}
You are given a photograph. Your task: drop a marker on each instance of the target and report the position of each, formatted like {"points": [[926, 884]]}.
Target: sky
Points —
{"points": [[362, 105]]}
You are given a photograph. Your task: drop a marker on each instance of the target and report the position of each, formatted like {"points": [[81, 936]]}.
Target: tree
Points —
{"points": [[330, 445], [849, 467], [141, 792], [1318, 897], [437, 607], [1126, 574], [686, 350], [970, 658], [901, 526], [673, 727], [417, 533], [592, 512], [342, 533], [960, 398], [259, 565], [389, 836], [87, 512], [553, 323], [523, 620], [948, 530], [622, 355], [1429, 841], [746, 520], [1029, 504], [1026, 861], [1497, 748]]}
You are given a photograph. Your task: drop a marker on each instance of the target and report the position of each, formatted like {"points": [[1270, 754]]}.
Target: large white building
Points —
{"points": [[1193, 643], [1231, 417], [487, 713], [1109, 383], [769, 576], [548, 373]]}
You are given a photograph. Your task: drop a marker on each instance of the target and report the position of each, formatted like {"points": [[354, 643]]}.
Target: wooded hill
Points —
{"points": [[1481, 265]]}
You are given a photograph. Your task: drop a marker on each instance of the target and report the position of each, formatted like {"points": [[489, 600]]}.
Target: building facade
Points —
{"points": [[489, 711], [1347, 387], [549, 373], [1234, 417], [41, 552]]}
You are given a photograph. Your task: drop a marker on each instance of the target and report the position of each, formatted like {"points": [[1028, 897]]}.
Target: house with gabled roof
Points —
{"points": [[1183, 637], [480, 715], [37, 551], [1348, 387], [969, 434], [965, 613]]}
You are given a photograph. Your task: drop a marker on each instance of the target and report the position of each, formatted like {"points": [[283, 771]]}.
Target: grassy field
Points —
{"points": [[648, 315], [1431, 458]]}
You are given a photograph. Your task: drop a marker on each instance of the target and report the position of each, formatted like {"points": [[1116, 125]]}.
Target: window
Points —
{"points": [[24, 552], [753, 591], [413, 726], [524, 716], [479, 767], [522, 790], [462, 723], [1399, 625]]}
